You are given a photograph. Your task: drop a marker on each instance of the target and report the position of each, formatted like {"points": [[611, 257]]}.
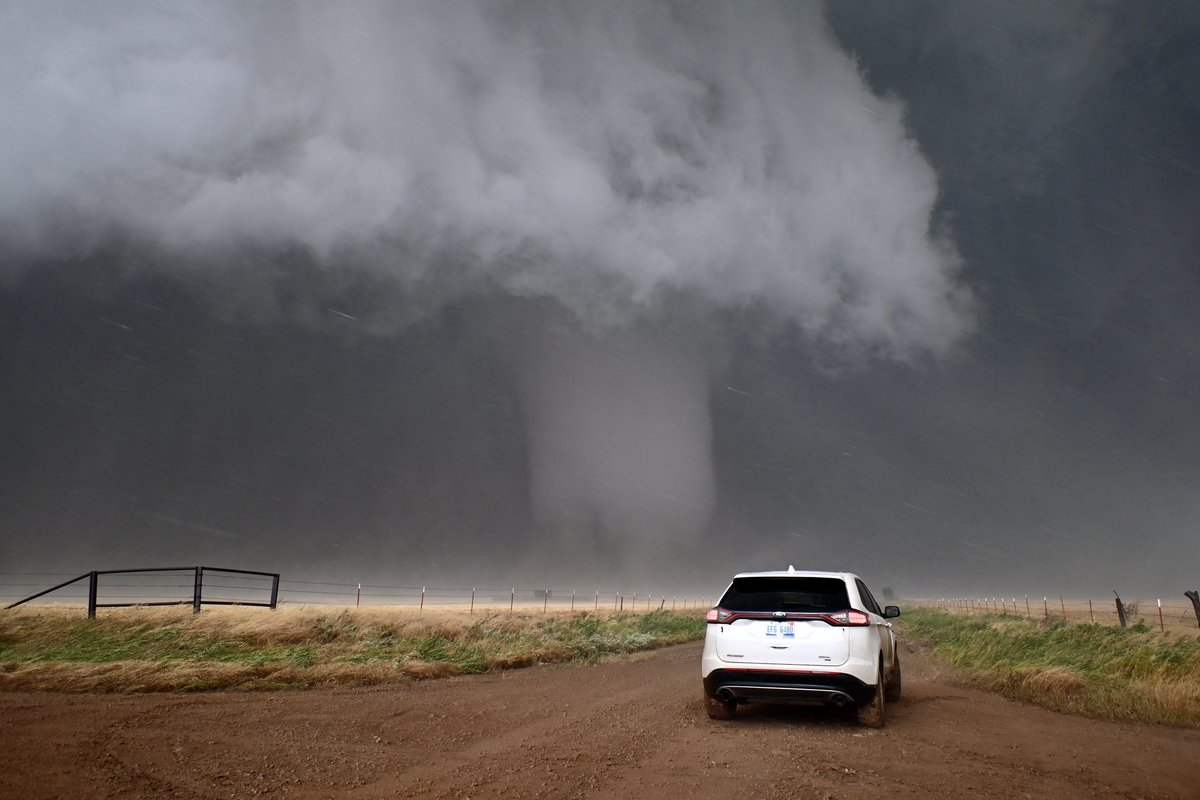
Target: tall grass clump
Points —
{"points": [[1100, 671], [155, 649]]}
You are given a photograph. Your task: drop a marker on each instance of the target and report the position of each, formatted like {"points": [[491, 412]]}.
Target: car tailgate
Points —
{"points": [[793, 642]]}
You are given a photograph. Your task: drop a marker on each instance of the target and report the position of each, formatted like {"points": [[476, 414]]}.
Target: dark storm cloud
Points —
{"points": [[304, 283], [1065, 139]]}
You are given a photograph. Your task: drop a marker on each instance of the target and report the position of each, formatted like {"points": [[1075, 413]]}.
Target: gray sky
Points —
{"points": [[606, 292]]}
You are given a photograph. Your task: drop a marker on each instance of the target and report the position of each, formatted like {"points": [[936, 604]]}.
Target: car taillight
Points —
{"points": [[717, 615], [852, 618]]}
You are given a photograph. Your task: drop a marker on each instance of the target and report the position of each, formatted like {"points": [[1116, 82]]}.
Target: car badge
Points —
{"points": [[779, 614]]}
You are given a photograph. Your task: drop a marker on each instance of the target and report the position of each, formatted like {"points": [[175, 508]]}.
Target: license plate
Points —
{"points": [[781, 629]]}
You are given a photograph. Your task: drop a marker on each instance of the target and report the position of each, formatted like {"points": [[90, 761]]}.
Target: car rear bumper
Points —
{"points": [[772, 686]]}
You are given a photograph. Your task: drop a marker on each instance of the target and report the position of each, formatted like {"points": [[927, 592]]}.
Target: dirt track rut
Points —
{"points": [[632, 729]]}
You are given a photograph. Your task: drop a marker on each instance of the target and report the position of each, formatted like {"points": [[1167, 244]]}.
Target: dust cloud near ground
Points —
{"points": [[624, 729]]}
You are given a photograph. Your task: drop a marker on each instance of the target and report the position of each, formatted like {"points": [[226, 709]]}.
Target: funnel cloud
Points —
{"points": [[620, 441]]}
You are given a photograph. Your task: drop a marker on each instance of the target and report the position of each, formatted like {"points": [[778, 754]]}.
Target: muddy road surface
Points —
{"points": [[630, 729]]}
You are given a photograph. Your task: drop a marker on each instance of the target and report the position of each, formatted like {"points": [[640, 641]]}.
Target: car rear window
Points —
{"points": [[786, 594]]}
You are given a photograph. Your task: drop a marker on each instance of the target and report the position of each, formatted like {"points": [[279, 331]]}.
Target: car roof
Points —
{"points": [[796, 573]]}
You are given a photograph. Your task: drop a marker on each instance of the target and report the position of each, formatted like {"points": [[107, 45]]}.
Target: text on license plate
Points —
{"points": [[786, 629]]}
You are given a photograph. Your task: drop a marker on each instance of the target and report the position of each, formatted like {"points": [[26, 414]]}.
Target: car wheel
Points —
{"points": [[719, 709], [892, 694], [871, 714]]}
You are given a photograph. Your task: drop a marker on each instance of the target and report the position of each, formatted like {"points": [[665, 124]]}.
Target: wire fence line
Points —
{"points": [[167, 585], [512, 598], [1152, 612]]}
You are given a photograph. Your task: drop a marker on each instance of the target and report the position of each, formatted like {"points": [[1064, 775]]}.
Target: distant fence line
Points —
{"points": [[366, 594], [166, 587], [1108, 611]]}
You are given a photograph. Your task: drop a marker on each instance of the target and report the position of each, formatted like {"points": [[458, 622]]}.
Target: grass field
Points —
{"points": [[1134, 673], [135, 649]]}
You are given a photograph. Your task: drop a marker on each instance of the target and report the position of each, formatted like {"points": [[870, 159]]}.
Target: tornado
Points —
{"points": [[613, 162]]}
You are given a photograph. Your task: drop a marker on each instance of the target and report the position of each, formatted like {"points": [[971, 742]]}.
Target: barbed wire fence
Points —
{"points": [[1115, 611]]}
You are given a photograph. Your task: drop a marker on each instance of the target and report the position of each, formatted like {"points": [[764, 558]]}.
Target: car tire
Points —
{"points": [[719, 709], [870, 714], [892, 693]]}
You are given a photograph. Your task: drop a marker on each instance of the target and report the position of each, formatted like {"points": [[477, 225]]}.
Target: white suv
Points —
{"points": [[800, 637]]}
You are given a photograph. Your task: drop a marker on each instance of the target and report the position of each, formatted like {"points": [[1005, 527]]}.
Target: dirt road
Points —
{"points": [[632, 729]]}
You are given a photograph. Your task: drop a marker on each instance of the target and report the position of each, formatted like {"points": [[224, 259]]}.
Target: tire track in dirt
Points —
{"points": [[627, 729]]}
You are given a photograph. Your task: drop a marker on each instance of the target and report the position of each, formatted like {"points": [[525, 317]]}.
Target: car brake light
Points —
{"points": [[852, 618], [717, 615]]}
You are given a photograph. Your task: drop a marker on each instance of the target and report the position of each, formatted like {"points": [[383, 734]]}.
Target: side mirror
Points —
{"points": [[891, 611]]}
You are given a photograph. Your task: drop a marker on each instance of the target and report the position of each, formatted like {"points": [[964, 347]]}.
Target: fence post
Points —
{"points": [[1194, 596], [1161, 626], [572, 599], [1027, 612], [597, 605], [422, 598], [274, 591], [545, 601], [1062, 603], [1046, 607], [472, 599], [358, 597], [93, 579], [1120, 609], [198, 591], [512, 598], [1091, 614]]}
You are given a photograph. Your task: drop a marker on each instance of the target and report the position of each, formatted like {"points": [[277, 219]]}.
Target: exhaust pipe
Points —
{"points": [[725, 695], [838, 700]]}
